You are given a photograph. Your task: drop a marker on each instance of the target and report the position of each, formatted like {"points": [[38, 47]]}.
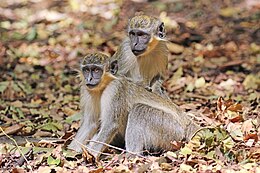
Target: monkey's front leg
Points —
{"points": [[106, 134], [86, 131]]}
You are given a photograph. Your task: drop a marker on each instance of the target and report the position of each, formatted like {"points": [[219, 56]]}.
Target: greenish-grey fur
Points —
{"points": [[95, 58], [148, 23], [153, 117], [121, 107], [144, 68]]}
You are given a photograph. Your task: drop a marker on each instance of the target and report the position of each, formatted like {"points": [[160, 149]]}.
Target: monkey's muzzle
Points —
{"points": [[138, 52]]}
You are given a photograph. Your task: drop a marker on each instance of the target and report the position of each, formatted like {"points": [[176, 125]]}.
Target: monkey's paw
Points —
{"points": [[148, 88], [93, 150]]}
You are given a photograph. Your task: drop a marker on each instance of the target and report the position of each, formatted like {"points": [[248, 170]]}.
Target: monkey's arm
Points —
{"points": [[106, 135], [86, 131], [127, 62], [157, 87], [113, 117], [108, 130]]}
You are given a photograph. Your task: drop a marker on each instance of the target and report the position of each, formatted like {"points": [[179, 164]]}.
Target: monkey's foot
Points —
{"points": [[75, 146], [93, 150]]}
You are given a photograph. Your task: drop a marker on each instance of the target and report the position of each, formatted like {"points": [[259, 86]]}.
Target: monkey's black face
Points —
{"points": [[92, 75], [139, 41]]}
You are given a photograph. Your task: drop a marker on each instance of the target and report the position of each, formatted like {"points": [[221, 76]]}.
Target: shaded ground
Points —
{"points": [[214, 49]]}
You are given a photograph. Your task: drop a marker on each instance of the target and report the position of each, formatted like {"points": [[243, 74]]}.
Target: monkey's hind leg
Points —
{"points": [[134, 139]]}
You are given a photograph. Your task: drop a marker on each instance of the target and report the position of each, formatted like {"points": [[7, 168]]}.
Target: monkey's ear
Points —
{"points": [[82, 63], [161, 31], [114, 67]]}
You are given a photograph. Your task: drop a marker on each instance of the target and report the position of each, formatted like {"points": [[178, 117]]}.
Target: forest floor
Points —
{"points": [[214, 74]]}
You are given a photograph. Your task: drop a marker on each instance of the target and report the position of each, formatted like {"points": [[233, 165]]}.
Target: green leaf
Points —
{"points": [[20, 113], [37, 150], [200, 82], [5, 24], [185, 151], [25, 87], [77, 116], [16, 87], [17, 36], [220, 134], [228, 144], [52, 126], [186, 168], [251, 82], [237, 134], [190, 87], [32, 34], [228, 12], [14, 112], [4, 111], [41, 112], [52, 161], [211, 154], [3, 86]]}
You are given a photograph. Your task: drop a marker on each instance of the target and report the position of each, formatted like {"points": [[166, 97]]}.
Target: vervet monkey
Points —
{"points": [[143, 54], [151, 128], [106, 101]]}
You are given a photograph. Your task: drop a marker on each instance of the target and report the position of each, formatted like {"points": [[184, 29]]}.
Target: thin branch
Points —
{"points": [[84, 146], [17, 147], [120, 149]]}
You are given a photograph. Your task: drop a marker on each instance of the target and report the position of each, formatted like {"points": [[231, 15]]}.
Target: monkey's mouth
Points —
{"points": [[138, 52], [91, 86]]}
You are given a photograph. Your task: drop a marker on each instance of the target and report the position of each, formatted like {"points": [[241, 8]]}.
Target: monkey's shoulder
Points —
{"points": [[124, 50]]}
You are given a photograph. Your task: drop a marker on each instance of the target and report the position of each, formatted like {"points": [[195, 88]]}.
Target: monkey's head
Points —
{"points": [[144, 33], [95, 68]]}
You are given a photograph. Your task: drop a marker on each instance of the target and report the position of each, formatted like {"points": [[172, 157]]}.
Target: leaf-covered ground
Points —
{"points": [[213, 74]]}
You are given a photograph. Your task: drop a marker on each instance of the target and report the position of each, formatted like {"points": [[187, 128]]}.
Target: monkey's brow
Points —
{"points": [[140, 31], [91, 65]]}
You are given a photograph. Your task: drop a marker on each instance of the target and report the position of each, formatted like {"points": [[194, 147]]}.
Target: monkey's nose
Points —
{"points": [[89, 79]]}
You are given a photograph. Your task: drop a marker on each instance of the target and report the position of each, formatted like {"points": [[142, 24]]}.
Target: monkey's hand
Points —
{"points": [[159, 89], [148, 88]]}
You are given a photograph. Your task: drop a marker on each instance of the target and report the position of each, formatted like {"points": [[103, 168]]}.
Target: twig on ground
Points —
{"points": [[120, 149], [17, 147], [84, 146]]}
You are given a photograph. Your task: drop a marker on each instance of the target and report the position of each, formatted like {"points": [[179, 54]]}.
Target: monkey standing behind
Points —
{"points": [[143, 55], [106, 101]]}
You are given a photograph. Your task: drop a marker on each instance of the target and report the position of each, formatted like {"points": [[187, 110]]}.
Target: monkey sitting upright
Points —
{"points": [[107, 100], [143, 55]]}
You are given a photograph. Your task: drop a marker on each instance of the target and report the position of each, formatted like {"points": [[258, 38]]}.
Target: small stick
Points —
{"points": [[84, 146], [17, 147], [120, 149]]}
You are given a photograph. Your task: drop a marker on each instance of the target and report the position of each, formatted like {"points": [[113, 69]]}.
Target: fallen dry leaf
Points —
{"points": [[12, 129]]}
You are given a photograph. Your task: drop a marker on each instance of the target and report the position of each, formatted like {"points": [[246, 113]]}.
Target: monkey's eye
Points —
{"points": [[140, 34], [85, 70], [145, 36], [96, 70], [131, 33]]}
